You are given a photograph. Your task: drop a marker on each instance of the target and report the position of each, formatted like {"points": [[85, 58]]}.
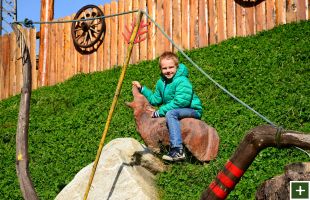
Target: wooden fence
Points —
{"points": [[11, 77], [190, 23]]}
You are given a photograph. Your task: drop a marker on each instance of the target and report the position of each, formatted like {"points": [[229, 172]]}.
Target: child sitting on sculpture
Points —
{"points": [[176, 99]]}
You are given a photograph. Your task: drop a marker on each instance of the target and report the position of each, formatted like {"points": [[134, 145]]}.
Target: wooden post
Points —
{"points": [[47, 14], [22, 157]]}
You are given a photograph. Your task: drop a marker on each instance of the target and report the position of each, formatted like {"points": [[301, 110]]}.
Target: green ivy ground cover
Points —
{"points": [[269, 71]]}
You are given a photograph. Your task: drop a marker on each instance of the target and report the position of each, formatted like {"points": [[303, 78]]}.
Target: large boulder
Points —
{"points": [[278, 188], [125, 170]]}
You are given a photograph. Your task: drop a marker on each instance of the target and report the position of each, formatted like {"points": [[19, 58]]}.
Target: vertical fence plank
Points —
{"points": [[100, 55], [33, 58], [176, 23], [143, 45], [1, 67], [151, 35], [67, 55], [74, 53], [120, 40], [49, 47], [270, 13], [160, 21], [212, 22], [167, 24], [193, 41], [79, 60], [70, 47], [92, 57], [291, 15], [128, 21], [231, 18], [114, 34], [308, 12], [85, 63], [240, 20], [57, 51], [260, 16], [3, 81], [52, 50], [12, 79], [135, 50], [51, 53], [92, 61], [60, 71], [250, 20], [221, 13], [203, 23], [107, 39], [6, 67], [301, 10], [4, 64], [280, 12], [185, 24], [19, 70]]}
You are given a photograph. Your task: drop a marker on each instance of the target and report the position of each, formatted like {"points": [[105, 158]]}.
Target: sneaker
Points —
{"points": [[175, 154]]}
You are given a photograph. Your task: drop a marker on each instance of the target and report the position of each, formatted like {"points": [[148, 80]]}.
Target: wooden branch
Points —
{"points": [[22, 157], [256, 140]]}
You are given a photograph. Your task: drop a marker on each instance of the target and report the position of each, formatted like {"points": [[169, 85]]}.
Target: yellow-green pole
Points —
{"points": [[117, 92]]}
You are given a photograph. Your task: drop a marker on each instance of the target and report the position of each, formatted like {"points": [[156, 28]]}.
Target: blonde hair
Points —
{"points": [[169, 56]]}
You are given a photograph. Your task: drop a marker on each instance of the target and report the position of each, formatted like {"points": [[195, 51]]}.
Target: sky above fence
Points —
{"points": [[31, 8]]}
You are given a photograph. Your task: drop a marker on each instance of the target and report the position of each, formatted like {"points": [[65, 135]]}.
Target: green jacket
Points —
{"points": [[174, 93]]}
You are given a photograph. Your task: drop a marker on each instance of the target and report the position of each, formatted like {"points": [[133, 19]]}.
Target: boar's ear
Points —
{"points": [[130, 104]]}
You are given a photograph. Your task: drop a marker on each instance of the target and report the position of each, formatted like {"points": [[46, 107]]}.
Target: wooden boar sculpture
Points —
{"points": [[199, 138]]}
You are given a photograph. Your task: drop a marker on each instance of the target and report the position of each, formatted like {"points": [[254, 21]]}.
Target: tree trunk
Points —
{"points": [[256, 140], [22, 157]]}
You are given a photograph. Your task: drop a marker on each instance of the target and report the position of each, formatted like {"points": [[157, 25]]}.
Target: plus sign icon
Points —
{"points": [[299, 190]]}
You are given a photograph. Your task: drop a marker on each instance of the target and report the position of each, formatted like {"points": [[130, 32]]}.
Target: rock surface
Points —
{"points": [[278, 188], [125, 170]]}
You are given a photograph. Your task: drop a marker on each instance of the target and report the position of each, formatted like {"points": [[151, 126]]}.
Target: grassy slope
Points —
{"points": [[270, 72]]}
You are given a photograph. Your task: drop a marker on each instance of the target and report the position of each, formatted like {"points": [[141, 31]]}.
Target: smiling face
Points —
{"points": [[168, 68]]}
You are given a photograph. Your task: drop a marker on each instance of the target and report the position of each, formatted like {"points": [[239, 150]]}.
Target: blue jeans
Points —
{"points": [[173, 118]]}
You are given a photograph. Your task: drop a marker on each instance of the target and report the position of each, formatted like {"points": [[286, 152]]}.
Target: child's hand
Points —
{"points": [[137, 84], [151, 109]]}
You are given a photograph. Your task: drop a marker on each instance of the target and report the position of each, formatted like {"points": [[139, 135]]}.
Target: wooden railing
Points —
{"points": [[190, 23]]}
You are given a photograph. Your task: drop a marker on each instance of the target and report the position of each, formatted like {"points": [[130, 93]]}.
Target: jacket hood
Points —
{"points": [[181, 71]]}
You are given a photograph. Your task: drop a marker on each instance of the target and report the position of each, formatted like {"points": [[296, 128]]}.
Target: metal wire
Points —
{"points": [[78, 20]]}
